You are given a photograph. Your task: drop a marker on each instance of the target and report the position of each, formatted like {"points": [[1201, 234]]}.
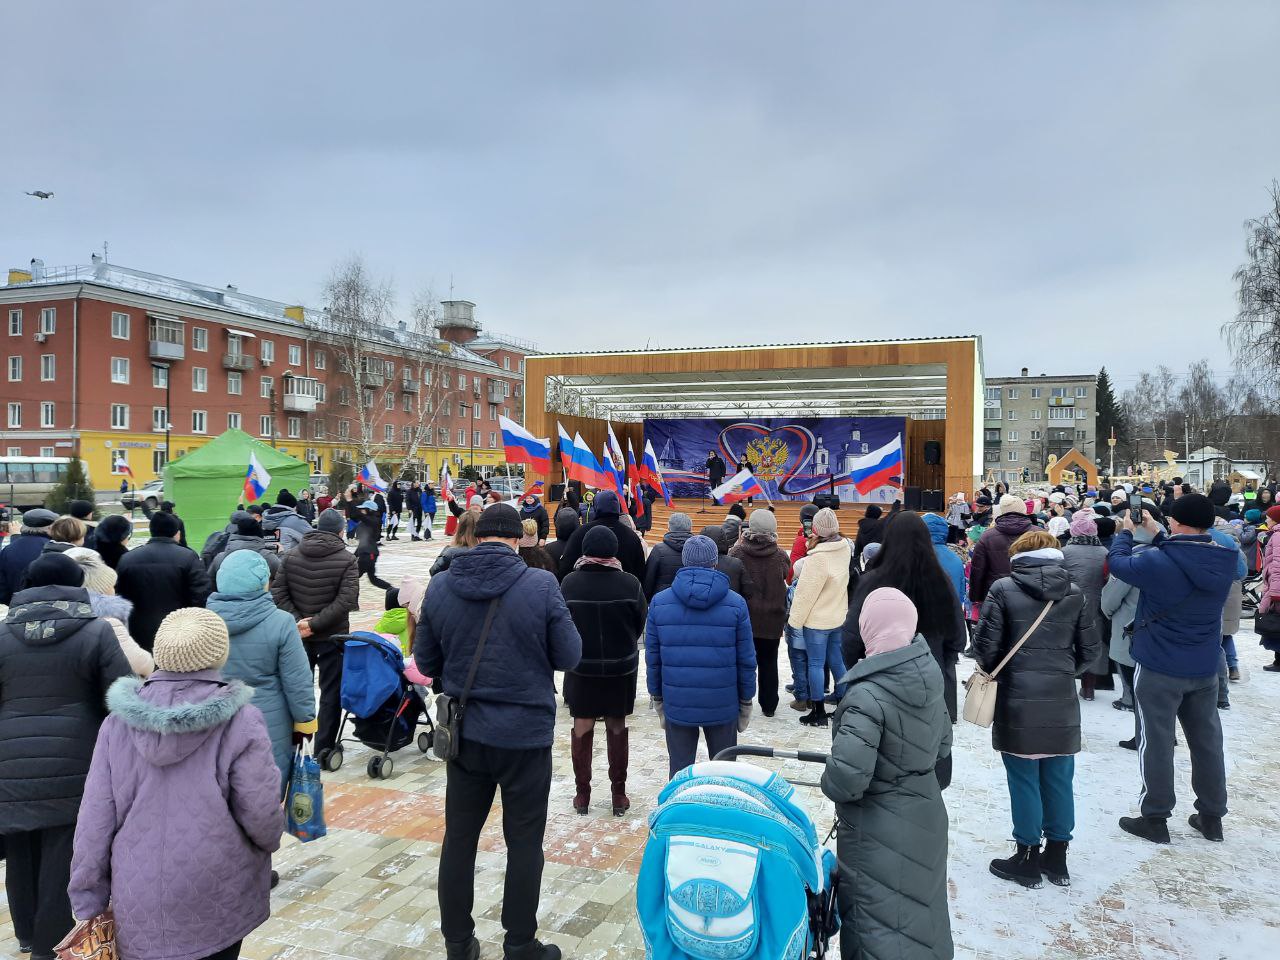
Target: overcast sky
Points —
{"points": [[1068, 180]]}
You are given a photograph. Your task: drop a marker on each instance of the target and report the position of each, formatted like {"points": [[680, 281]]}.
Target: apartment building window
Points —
{"points": [[120, 416], [15, 323], [1057, 392], [158, 419], [1081, 435], [267, 352], [46, 414], [264, 426], [235, 382], [389, 400], [1013, 456], [119, 369], [475, 438], [493, 413], [199, 379], [493, 440], [426, 376], [1036, 414], [295, 355], [13, 451], [15, 369], [1082, 392], [233, 421], [48, 320], [475, 411], [443, 434], [264, 387], [522, 366], [388, 432], [446, 408], [991, 436], [344, 429], [1082, 413], [408, 403], [15, 418], [367, 398], [1036, 393], [159, 376], [47, 366], [446, 379], [406, 434], [1013, 393], [317, 429], [120, 326], [1013, 436], [389, 369], [199, 421], [993, 393], [200, 339], [319, 359], [475, 384], [1035, 434], [321, 391], [47, 452], [462, 437], [293, 427], [506, 363], [1061, 413], [1013, 414]]}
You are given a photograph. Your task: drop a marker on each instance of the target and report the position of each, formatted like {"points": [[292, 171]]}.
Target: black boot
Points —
{"points": [[533, 950], [1274, 666], [468, 949], [1155, 829], [817, 716], [1130, 744], [1209, 826], [580, 753], [1022, 868], [1053, 864]]}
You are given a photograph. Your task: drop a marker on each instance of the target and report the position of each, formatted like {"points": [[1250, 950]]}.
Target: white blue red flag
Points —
{"points": [[370, 477], [741, 485], [651, 472], [587, 469], [566, 450], [256, 480], [446, 481], [523, 447], [877, 468], [633, 473], [616, 476]]}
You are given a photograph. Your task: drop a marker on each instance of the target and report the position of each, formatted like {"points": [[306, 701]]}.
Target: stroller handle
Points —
{"points": [[805, 756]]}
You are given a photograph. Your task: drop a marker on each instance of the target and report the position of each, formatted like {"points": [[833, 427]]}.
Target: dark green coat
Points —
{"points": [[891, 728]]}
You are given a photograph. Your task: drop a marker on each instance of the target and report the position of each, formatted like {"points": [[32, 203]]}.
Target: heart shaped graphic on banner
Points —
{"points": [[781, 452]]}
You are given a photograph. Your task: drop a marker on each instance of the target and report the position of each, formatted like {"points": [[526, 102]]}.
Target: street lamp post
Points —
{"points": [[471, 435]]}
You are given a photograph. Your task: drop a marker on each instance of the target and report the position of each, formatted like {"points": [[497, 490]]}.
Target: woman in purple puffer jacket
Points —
{"points": [[181, 811]]}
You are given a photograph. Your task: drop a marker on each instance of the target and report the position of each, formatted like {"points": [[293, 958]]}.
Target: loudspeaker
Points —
{"points": [[557, 493], [931, 501], [821, 500], [911, 498], [933, 452]]}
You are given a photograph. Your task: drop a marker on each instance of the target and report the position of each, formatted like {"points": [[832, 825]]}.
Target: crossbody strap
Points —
{"points": [[1018, 646], [475, 661]]}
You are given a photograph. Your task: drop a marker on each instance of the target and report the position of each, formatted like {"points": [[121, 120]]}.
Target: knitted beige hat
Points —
{"points": [[826, 523], [191, 639], [98, 577]]}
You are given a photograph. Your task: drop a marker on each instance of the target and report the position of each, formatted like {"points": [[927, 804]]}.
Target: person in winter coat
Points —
{"points": [[891, 732], [188, 748], [800, 546], [531, 508], [643, 509], [464, 538], [1270, 587], [700, 658], [608, 608], [731, 567], [767, 567], [606, 511], [907, 561], [82, 510], [368, 533], [248, 536], [266, 653], [1037, 720], [870, 530], [951, 563], [509, 725], [318, 585], [159, 577], [1177, 643], [1227, 535], [216, 542], [818, 609], [306, 507], [665, 557], [111, 538], [100, 583], [530, 550], [428, 510], [65, 533], [57, 660], [395, 506], [566, 522], [1085, 558], [1119, 602], [283, 518], [413, 500], [715, 471], [991, 554], [22, 549], [1249, 542]]}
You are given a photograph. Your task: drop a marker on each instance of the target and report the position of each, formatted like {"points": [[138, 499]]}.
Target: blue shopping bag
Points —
{"points": [[305, 799]]}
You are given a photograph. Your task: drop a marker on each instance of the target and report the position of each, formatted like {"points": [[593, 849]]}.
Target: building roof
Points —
{"points": [[1043, 378], [757, 346]]}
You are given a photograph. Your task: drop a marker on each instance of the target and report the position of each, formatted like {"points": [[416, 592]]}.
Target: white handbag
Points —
{"points": [[981, 687]]}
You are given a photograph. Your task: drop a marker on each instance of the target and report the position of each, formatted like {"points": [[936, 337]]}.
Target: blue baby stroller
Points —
{"points": [[384, 708], [733, 869]]}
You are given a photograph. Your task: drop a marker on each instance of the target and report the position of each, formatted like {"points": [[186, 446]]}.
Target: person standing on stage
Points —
{"points": [[715, 472]]}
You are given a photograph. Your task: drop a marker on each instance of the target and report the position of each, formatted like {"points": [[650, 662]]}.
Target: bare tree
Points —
{"points": [[423, 377], [1254, 334]]}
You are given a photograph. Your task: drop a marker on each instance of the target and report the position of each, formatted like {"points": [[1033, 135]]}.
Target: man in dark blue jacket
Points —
{"points": [[22, 549], [508, 725], [700, 656], [1177, 641]]}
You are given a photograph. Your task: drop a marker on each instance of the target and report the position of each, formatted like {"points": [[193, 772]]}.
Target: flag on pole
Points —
{"points": [[523, 447], [587, 468], [370, 477], [566, 450], [446, 481], [633, 473], [615, 454], [256, 480], [617, 477], [535, 490], [122, 467], [878, 467], [741, 485], [650, 470]]}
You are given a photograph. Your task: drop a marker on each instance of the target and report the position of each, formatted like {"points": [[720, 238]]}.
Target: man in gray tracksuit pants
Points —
{"points": [[1177, 642]]}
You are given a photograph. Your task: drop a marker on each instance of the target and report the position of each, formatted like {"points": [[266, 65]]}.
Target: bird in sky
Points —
{"points": [[39, 194]]}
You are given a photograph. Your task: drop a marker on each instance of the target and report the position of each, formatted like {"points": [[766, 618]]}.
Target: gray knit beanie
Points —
{"points": [[679, 523], [762, 521], [191, 639], [331, 521], [699, 551]]}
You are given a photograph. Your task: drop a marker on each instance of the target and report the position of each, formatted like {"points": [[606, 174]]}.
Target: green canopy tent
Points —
{"points": [[207, 484]]}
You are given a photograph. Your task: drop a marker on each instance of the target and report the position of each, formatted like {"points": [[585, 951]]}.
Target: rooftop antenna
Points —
{"points": [[451, 286], [104, 251]]}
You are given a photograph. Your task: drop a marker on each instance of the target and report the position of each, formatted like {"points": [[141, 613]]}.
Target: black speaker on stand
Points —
{"points": [[557, 493], [911, 498], [933, 452], [931, 501]]}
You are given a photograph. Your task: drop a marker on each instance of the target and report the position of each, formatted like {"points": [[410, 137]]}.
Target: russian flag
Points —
{"points": [[633, 472], [566, 451], [446, 481], [741, 485], [523, 447], [878, 467], [534, 491], [619, 480], [650, 470], [256, 480], [615, 458], [370, 477], [587, 468]]}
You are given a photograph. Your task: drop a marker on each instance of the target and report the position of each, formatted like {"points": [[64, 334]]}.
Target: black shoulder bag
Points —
{"points": [[448, 735]]}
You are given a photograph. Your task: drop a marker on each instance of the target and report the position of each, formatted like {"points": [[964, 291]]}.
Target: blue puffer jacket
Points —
{"points": [[512, 702], [698, 648], [951, 564], [1184, 582]]}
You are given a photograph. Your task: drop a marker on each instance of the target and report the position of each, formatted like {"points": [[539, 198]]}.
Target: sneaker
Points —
{"points": [[1234, 674], [1053, 863], [468, 949], [801, 706], [1022, 868], [1130, 744], [1155, 829], [533, 950], [1210, 827], [24, 946], [1121, 705]]}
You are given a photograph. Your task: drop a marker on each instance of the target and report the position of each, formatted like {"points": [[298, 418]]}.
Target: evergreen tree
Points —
{"points": [[341, 476], [74, 485], [1110, 413]]}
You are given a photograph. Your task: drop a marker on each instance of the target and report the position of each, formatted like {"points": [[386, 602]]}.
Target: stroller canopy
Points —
{"points": [[371, 670]]}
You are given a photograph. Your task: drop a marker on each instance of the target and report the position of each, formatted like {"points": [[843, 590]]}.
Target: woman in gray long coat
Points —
{"points": [[1085, 558], [891, 729]]}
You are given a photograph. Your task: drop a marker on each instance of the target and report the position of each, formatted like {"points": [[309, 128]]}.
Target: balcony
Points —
{"points": [[300, 394], [497, 391], [167, 339], [237, 361], [372, 378], [409, 386]]}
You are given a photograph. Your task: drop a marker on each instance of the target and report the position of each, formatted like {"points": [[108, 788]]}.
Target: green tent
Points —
{"points": [[207, 484]]}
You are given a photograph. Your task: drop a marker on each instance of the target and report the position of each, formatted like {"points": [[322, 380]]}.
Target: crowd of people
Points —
{"points": [[146, 689]]}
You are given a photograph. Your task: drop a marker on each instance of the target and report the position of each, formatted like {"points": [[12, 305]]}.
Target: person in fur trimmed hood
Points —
{"points": [[181, 810]]}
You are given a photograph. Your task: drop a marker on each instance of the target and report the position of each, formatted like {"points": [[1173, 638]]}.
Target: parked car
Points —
{"points": [[509, 487], [150, 493]]}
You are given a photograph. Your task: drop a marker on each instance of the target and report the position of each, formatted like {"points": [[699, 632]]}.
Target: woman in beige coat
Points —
{"points": [[818, 609]]}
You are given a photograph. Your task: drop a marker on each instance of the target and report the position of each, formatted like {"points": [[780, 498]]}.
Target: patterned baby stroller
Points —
{"points": [[733, 869], [382, 705]]}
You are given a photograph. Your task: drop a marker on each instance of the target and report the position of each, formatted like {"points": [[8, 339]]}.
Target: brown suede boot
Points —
{"points": [[580, 752], [1088, 683], [619, 745]]}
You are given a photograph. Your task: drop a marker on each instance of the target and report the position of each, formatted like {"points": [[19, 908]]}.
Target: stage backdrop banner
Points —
{"points": [[793, 458]]}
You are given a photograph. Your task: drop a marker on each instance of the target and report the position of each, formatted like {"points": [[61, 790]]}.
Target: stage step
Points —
{"points": [[787, 514]]}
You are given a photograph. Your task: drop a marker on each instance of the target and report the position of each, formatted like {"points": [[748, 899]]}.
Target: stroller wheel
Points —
{"points": [[331, 760], [380, 768], [425, 740]]}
